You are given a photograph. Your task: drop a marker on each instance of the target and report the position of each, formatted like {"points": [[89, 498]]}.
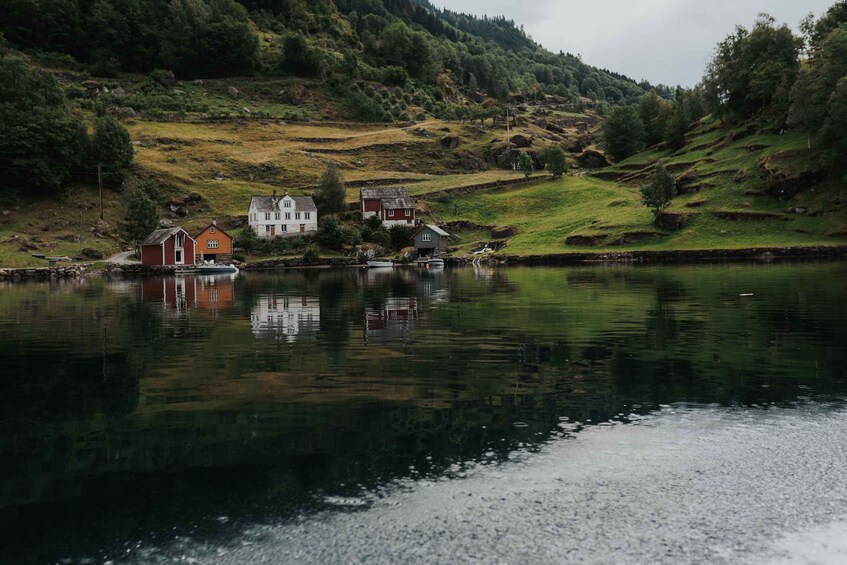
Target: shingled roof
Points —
{"points": [[270, 203], [160, 236], [384, 193]]}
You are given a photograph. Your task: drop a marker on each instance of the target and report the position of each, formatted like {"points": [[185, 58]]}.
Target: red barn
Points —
{"points": [[169, 246], [393, 206]]}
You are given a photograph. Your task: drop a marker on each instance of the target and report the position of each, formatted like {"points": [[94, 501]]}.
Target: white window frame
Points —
{"points": [[287, 204], [212, 229], [180, 241], [307, 215], [277, 216], [212, 243], [283, 228], [426, 237], [391, 213], [296, 215], [267, 229], [288, 215], [267, 216]]}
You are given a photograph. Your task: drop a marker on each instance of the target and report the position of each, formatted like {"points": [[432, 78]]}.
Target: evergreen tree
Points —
{"points": [[623, 134], [332, 196], [112, 148], [660, 192], [140, 218], [674, 134], [42, 145], [525, 164]]}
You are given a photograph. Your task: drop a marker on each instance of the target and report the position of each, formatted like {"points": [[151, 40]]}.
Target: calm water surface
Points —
{"points": [[138, 414]]}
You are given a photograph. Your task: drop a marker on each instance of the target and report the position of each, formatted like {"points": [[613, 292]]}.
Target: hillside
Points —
{"points": [[739, 188], [400, 93]]}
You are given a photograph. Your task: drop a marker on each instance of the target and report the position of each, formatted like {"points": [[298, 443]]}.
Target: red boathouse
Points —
{"points": [[169, 246]]}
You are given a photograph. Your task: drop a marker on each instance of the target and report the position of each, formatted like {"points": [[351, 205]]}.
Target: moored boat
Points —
{"points": [[435, 262], [380, 264], [212, 268]]}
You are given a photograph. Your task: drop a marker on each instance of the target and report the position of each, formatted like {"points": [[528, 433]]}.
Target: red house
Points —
{"points": [[394, 206], [169, 246]]}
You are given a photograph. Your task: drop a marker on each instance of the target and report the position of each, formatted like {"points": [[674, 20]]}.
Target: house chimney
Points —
{"points": [[214, 222], [286, 193]]}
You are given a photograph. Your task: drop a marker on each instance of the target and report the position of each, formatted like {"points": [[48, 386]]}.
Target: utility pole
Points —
{"points": [[100, 184]]}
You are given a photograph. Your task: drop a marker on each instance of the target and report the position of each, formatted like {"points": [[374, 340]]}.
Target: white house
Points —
{"points": [[285, 317], [272, 216]]}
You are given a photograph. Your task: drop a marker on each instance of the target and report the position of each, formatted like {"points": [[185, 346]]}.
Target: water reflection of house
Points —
{"points": [[181, 294], [394, 322], [289, 317], [397, 318]]}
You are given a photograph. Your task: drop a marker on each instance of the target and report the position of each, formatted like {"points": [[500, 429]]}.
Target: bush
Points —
{"points": [[298, 58], [247, 239], [112, 148], [310, 256], [658, 194], [329, 234], [400, 236], [358, 106], [395, 76]]}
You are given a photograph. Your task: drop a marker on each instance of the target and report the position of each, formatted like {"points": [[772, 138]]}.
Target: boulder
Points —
{"points": [[245, 110], [91, 253], [165, 78], [198, 82], [119, 92], [451, 141], [555, 128], [585, 240], [166, 223], [575, 146], [471, 161], [591, 159], [673, 221], [503, 232], [687, 183], [521, 141], [232, 91]]}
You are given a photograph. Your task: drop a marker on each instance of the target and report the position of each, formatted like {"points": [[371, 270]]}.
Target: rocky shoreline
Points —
{"points": [[625, 257]]}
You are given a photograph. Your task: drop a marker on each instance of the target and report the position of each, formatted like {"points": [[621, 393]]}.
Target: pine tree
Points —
{"points": [[112, 147], [140, 217], [332, 197]]}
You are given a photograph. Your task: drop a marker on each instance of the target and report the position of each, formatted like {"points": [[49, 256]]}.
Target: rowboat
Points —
{"points": [[213, 269], [380, 264]]}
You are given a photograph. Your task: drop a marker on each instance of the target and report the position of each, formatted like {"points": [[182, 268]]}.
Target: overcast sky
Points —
{"points": [[663, 41]]}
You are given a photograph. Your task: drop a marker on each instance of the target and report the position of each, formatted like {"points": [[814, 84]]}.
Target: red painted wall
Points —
{"points": [[151, 255], [372, 204], [400, 215]]}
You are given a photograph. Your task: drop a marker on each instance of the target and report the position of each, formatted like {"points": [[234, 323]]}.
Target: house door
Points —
{"points": [[178, 257], [273, 231], [302, 228]]}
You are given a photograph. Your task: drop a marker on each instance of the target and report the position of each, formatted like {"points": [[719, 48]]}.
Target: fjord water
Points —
{"points": [[286, 417]]}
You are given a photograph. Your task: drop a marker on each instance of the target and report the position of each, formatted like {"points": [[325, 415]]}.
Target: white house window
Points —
{"points": [[391, 213], [267, 215], [267, 229], [212, 243], [427, 237], [212, 229], [288, 203], [180, 240], [283, 228], [308, 215], [277, 215], [288, 215], [296, 215]]}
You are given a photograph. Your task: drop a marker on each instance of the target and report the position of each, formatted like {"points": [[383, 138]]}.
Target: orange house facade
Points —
{"points": [[213, 243]]}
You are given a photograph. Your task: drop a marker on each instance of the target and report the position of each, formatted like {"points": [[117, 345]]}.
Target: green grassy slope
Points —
{"points": [[724, 197]]}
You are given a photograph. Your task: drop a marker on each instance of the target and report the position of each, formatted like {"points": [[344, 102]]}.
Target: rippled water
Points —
{"points": [[135, 415]]}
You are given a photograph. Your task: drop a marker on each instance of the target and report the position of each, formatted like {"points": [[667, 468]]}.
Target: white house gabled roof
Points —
{"points": [[271, 203]]}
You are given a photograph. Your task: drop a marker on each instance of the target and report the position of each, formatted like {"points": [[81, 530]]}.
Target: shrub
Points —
{"points": [[310, 256], [400, 236]]}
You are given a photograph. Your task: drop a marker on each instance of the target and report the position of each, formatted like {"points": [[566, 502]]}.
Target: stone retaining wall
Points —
{"points": [[44, 273]]}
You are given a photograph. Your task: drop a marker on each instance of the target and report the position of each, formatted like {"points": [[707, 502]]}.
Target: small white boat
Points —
{"points": [[435, 262], [380, 264], [213, 269]]}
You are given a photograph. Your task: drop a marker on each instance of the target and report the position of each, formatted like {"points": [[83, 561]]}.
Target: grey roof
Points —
{"points": [[384, 193], [397, 203], [438, 230], [159, 236], [269, 203]]}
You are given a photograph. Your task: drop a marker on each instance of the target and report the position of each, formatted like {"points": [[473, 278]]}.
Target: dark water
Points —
{"points": [[136, 413]]}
